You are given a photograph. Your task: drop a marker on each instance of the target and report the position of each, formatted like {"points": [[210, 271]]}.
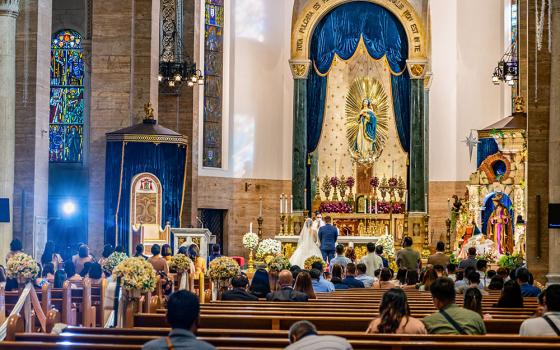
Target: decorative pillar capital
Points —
{"points": [[9, 8], [300, 68], [416, 68]]}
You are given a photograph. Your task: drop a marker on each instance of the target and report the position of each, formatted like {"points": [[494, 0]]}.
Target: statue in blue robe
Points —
{"points": [[367, 129]]}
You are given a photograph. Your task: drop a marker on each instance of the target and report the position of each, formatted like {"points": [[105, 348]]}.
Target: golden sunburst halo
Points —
{"points": [[366, 88]]}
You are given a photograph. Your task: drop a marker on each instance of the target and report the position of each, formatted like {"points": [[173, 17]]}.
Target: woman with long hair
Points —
{"points": [[15, 247], [511, 295], [337, 276], [199, 263], [107, 250], [473, 301], [496, 283], [273, 280], [260, 284], [350, 253], [50, 256], [394, 315], [303, 284], [59, 278], [384, 280], [81, 258], [430, 276]]}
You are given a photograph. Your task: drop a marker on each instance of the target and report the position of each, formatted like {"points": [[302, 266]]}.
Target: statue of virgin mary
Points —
{"points": [[367, 128]]}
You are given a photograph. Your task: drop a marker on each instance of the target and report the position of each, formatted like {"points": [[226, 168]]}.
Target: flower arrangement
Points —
{"points": [[388, 244], [279, 263], [180, 263], [223, 268], [374, 182], [313, 259], [250, 240], [335, 207], [453, 259], [342, 186], [112, 261], [326, 187], [393, 182], [511, 262], [385, 208], [136, 274], [490, 256], [22, 267], [269, 247], [334, 181], [350, 182]]}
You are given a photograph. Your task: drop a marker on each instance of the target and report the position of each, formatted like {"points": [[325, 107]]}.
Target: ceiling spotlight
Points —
{"points": [[68, 208]]}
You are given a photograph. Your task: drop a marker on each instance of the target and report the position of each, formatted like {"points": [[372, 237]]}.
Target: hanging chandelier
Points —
{"points": [[507, 70], [175, 69]]}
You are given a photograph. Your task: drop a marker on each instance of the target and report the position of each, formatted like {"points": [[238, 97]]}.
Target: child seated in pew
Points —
{"points": [[183, 311], [394, 315]]}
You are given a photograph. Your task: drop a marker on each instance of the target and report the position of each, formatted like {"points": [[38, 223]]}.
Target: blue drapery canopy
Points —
{"points": [[339, 32], [166, 161], [485, 148]]}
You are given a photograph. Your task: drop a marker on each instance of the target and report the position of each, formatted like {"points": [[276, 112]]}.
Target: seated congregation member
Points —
{"points": [[474, 282], [430, 276], [323, 282], [511, 296], [183, 311], [372, 260], [199, 263], [59, 279], [304, 284], [451, 270], [50, 256], [451, 319], [350, 253], [470, 261], [260, 284], [460, 286], [95, 272], [350, 279], [239, 290], [337, 276], [439, 258], [384, 281], [215, 253], [340, 259], [362, 275], [549, 323], [140, 251], [295, 270], [411, 280], [273, 280], [394, 315], [47, 274], [481, 267], [85, 270], [379, 252], [81, 258], [15, 247], [320, 285], [303, 335], [166, 252], [157, 261], [70, 270], [107, 250], [286, 291], [440, 271], [496, 283], [473, 301], [490, 274], [527, 290], [503, 272], [400, 279], [407, 257]]}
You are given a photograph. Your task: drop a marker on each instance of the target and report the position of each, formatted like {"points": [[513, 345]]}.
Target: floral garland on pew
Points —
{"points": [[279, 263], [22, 267], [137, 276], [182, 265], [221, 271], [113, 261]]}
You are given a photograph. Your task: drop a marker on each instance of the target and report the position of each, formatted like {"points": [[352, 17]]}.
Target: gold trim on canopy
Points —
{"points": [[147, 138]]}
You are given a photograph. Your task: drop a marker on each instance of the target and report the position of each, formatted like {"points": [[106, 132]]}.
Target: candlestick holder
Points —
{"points": [[448, 236], [260, 221], [282, 224], [290, 228], [250, 265], [426, 246]]}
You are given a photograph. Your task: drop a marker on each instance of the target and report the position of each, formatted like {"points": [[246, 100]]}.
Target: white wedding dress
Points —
{"points": [[307, 246]]}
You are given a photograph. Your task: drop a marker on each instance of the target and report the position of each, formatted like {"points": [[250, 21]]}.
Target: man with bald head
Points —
{"points": [[286, 292]]}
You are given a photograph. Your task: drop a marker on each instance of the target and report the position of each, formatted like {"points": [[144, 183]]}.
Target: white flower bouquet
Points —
{"points": [[22, 267], [180, 263], [136, 275], [269, 247], [388, 244], [250, 240], [223, 268], [112, 261]]}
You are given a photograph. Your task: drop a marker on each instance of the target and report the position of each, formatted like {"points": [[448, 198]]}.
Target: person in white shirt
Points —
{"points": [[372, 261], [549, 323], [363, 277]]}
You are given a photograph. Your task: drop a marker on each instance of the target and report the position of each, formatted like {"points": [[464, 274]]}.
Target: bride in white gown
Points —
{"points": [[307, 245]]}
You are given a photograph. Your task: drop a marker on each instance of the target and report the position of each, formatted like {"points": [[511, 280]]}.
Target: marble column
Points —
{"points": [[8, 12], [417, 153], [300, 70], [553, 275]]}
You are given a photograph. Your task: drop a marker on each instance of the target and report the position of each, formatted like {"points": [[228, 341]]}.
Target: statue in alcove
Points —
{"points": [[499, 226]]}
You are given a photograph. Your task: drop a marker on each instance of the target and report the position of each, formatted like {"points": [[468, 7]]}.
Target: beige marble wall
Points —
{"points": [[440, 192], [32, 118], [242, 206]]}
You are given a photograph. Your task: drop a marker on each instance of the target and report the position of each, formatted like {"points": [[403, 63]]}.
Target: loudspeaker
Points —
{"points": [[554, 215], [4, 210]]}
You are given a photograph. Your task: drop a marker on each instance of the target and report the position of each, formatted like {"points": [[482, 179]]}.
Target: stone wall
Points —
{"points": [[440, 192]]}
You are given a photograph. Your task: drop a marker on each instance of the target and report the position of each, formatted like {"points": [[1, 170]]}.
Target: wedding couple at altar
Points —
{"points": [[316, 238]]}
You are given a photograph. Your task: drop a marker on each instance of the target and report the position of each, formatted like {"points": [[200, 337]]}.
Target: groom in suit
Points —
{"points": [[327, 236]]}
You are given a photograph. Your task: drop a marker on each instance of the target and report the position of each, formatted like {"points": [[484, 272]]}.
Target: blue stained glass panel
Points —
{"points": [[66, 118]]}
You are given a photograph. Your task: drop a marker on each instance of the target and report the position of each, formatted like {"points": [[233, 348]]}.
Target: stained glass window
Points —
{"points": [[66, 122], [213, 71]]}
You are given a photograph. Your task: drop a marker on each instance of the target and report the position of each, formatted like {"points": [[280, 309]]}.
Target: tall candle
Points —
{"points": [[291, 203], [286, 204], [375, 205], [305, 199], [426, 202], [260, 206], [251, 227], [281, 200]]}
